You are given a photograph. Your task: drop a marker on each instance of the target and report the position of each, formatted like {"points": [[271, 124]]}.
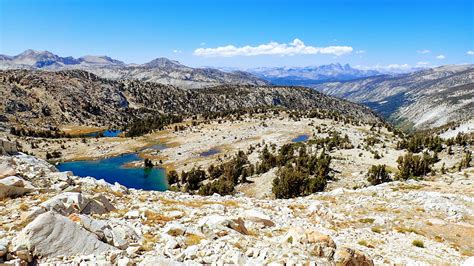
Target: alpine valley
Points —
{"points": [[108, 163]]}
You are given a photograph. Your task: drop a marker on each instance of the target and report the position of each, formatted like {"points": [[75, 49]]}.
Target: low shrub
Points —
{"points": [[418, 243], [378, 174], [412, 166]]}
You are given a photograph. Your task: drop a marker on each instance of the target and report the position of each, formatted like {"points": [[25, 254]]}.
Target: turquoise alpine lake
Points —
{"points": [[110, 133], [113, 170], [301, 138]]}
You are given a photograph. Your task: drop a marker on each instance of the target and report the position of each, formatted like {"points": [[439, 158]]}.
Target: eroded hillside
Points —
{"points": [[81, 98], [423, 99]]}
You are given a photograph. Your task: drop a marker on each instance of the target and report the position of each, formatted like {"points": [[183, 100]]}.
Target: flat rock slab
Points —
{"points": [[52, 234]]}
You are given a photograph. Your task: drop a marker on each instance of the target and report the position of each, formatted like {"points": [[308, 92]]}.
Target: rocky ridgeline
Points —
{"points": [[55, 217], [79, 97], [160, 70], [423, 99]]}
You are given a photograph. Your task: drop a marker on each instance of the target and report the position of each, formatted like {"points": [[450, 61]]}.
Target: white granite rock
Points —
{"points": [[52, 234], [74, 202], [13, 186]]}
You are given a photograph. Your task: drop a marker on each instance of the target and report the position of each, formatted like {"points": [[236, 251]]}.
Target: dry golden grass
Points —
{"points": [[143, 198], [367, 220], [455, 246], [102, 189], [238, 245], [327, 198], [23, 207], [198, 203], [406, 230], [297, 206], [192, 239], [40, 197], [403, 186], [467, 252], [172, 208], [153, 218], [80, 130], [380, 209], [268, 233], [252, 232], [376, 230], [149, 242], [365, 243], [120, 212]]}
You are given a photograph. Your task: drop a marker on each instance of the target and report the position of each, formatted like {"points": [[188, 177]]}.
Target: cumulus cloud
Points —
{"points": [[360, 52], [396, 68], [440, 56], [425, 51], [470, 52], [177, 51], [273, 48], [423, 63]]}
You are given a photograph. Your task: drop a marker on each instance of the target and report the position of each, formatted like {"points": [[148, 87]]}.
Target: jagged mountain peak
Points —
{"points": [[36, 58], [31, 52], [163, 62]]}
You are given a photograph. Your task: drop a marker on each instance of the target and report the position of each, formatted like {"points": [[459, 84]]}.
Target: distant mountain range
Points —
{"points": [[311, 75], [170, 72], [422, 99], [160, 70]]}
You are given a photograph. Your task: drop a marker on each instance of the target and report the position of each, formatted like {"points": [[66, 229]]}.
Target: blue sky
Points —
{"points": [[198, 33]]}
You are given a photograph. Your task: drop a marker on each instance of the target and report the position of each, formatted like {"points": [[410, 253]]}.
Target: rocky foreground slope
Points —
{"points": [[160, 70], [423, 99], [54, 217], [81, 98]]}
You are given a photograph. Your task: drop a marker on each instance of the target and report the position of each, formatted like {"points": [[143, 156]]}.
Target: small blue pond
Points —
{"points": [[155, 147], [301, 138], [209, 152], [111, 133], [113, 170]]}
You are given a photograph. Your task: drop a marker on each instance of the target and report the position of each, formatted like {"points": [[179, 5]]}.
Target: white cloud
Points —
{"points": [[470, 52], [272, 48], [424, 51], [203, 43], [396, 68], [441, 56], [423, 63], [360, 52], [177, 51]]}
